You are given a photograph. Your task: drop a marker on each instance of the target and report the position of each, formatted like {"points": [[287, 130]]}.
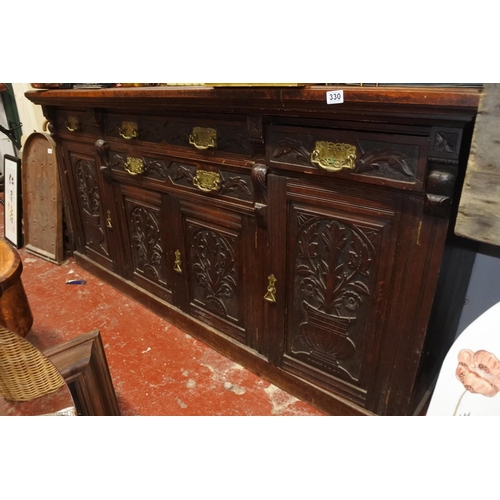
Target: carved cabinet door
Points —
{"points": [[330, 298], [93, 205], [214, 266], [147, 238]]}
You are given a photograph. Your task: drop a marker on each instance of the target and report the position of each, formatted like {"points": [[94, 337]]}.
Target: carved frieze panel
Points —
{"points": [[332, 292], [231, 184], [393, 160], [213, 272], [149, 167]]}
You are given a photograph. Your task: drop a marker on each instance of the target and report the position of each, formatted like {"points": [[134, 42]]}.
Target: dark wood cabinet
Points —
{"points": [[303, 240]]}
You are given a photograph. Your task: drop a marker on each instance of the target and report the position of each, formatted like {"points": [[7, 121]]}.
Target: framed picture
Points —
{"points": [[13, 201], [83, 365]]}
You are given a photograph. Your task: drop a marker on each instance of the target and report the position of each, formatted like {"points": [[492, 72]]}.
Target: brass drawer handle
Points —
{"points": [[270, 296], [203, 138], [72, 123], [334, 157], [178, 263], [129, 130], [207, 181], [134, 166]]}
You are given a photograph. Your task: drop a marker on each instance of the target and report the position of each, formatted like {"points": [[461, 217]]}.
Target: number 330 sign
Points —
{"points": [[335, 97]]}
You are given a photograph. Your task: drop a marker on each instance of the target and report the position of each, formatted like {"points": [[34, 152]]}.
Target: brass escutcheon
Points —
{"points": [[334, 157], [177, 263], [270, 296], [203, 138], [72, 123], [134, 166], [129, 130], [207, 181]]}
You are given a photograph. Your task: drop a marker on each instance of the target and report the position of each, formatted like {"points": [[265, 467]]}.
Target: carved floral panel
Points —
{"points": [[332, 291], [146, 244], [212, 270], [90, 205]]}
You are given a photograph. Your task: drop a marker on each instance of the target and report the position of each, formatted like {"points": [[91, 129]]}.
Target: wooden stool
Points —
{"points": [[15, 312]]}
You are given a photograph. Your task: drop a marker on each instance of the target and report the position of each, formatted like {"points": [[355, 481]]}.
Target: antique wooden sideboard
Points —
{"points": [[310, 242]]}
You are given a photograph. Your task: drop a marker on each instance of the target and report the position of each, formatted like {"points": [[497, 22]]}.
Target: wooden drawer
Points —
{"points": [[201, 135], [162, 172], [77, 123], [386, 159]]}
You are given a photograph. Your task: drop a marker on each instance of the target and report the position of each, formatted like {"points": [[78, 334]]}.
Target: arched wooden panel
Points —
{"points": [[42, 203]]}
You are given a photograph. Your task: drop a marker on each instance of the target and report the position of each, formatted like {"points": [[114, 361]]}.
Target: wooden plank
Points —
{"points": [[479, 209], [42, 203]]}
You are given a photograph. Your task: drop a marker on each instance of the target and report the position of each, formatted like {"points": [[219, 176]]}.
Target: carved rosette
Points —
{"points": [[212, 262], [90, 203], [332, 281], [147, 249]]}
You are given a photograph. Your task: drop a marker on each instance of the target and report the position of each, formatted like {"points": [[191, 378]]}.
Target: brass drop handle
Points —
{"points": [[109, 223], [72, 123], [178, 263], [203, 138], [334, 157], [134, 166], [270, 296], [207, 181], [129, 130]]}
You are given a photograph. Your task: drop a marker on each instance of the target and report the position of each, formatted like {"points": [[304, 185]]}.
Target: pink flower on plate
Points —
{"points": [[479, 372]]}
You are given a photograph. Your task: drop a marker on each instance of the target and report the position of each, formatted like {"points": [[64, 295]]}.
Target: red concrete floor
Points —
{"points": [[156, 368]]}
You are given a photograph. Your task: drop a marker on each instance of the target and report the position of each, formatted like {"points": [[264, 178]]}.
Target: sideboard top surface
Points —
{"points": [[307, 99]]}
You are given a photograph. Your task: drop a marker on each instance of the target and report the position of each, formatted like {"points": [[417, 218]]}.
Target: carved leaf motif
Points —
{"points": [[334, 261], [390, 157], [235, 183], [155, 166], [360, 255], [293, 148], [361, 287], [87, 187], [117, 161], [146, 244], [181, 172], [308, 244], [213, 264], [334, 236]]}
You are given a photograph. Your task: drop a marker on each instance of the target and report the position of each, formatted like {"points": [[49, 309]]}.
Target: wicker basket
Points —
{"points": [[25, 373]]}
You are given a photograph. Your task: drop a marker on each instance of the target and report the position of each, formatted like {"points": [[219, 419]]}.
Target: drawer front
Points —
{"points": [[198, 135], [77, 123], [385, 159], [195, 176]]}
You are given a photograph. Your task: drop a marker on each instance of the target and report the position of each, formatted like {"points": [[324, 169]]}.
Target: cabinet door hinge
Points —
{"points": [[255, 240]]}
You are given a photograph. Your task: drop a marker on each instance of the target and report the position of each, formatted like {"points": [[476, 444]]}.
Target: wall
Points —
{"points": [[484, 286], [31, 116]]}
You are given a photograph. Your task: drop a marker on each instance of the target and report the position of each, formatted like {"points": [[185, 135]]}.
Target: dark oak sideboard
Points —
{"points": [[312, 243]]}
